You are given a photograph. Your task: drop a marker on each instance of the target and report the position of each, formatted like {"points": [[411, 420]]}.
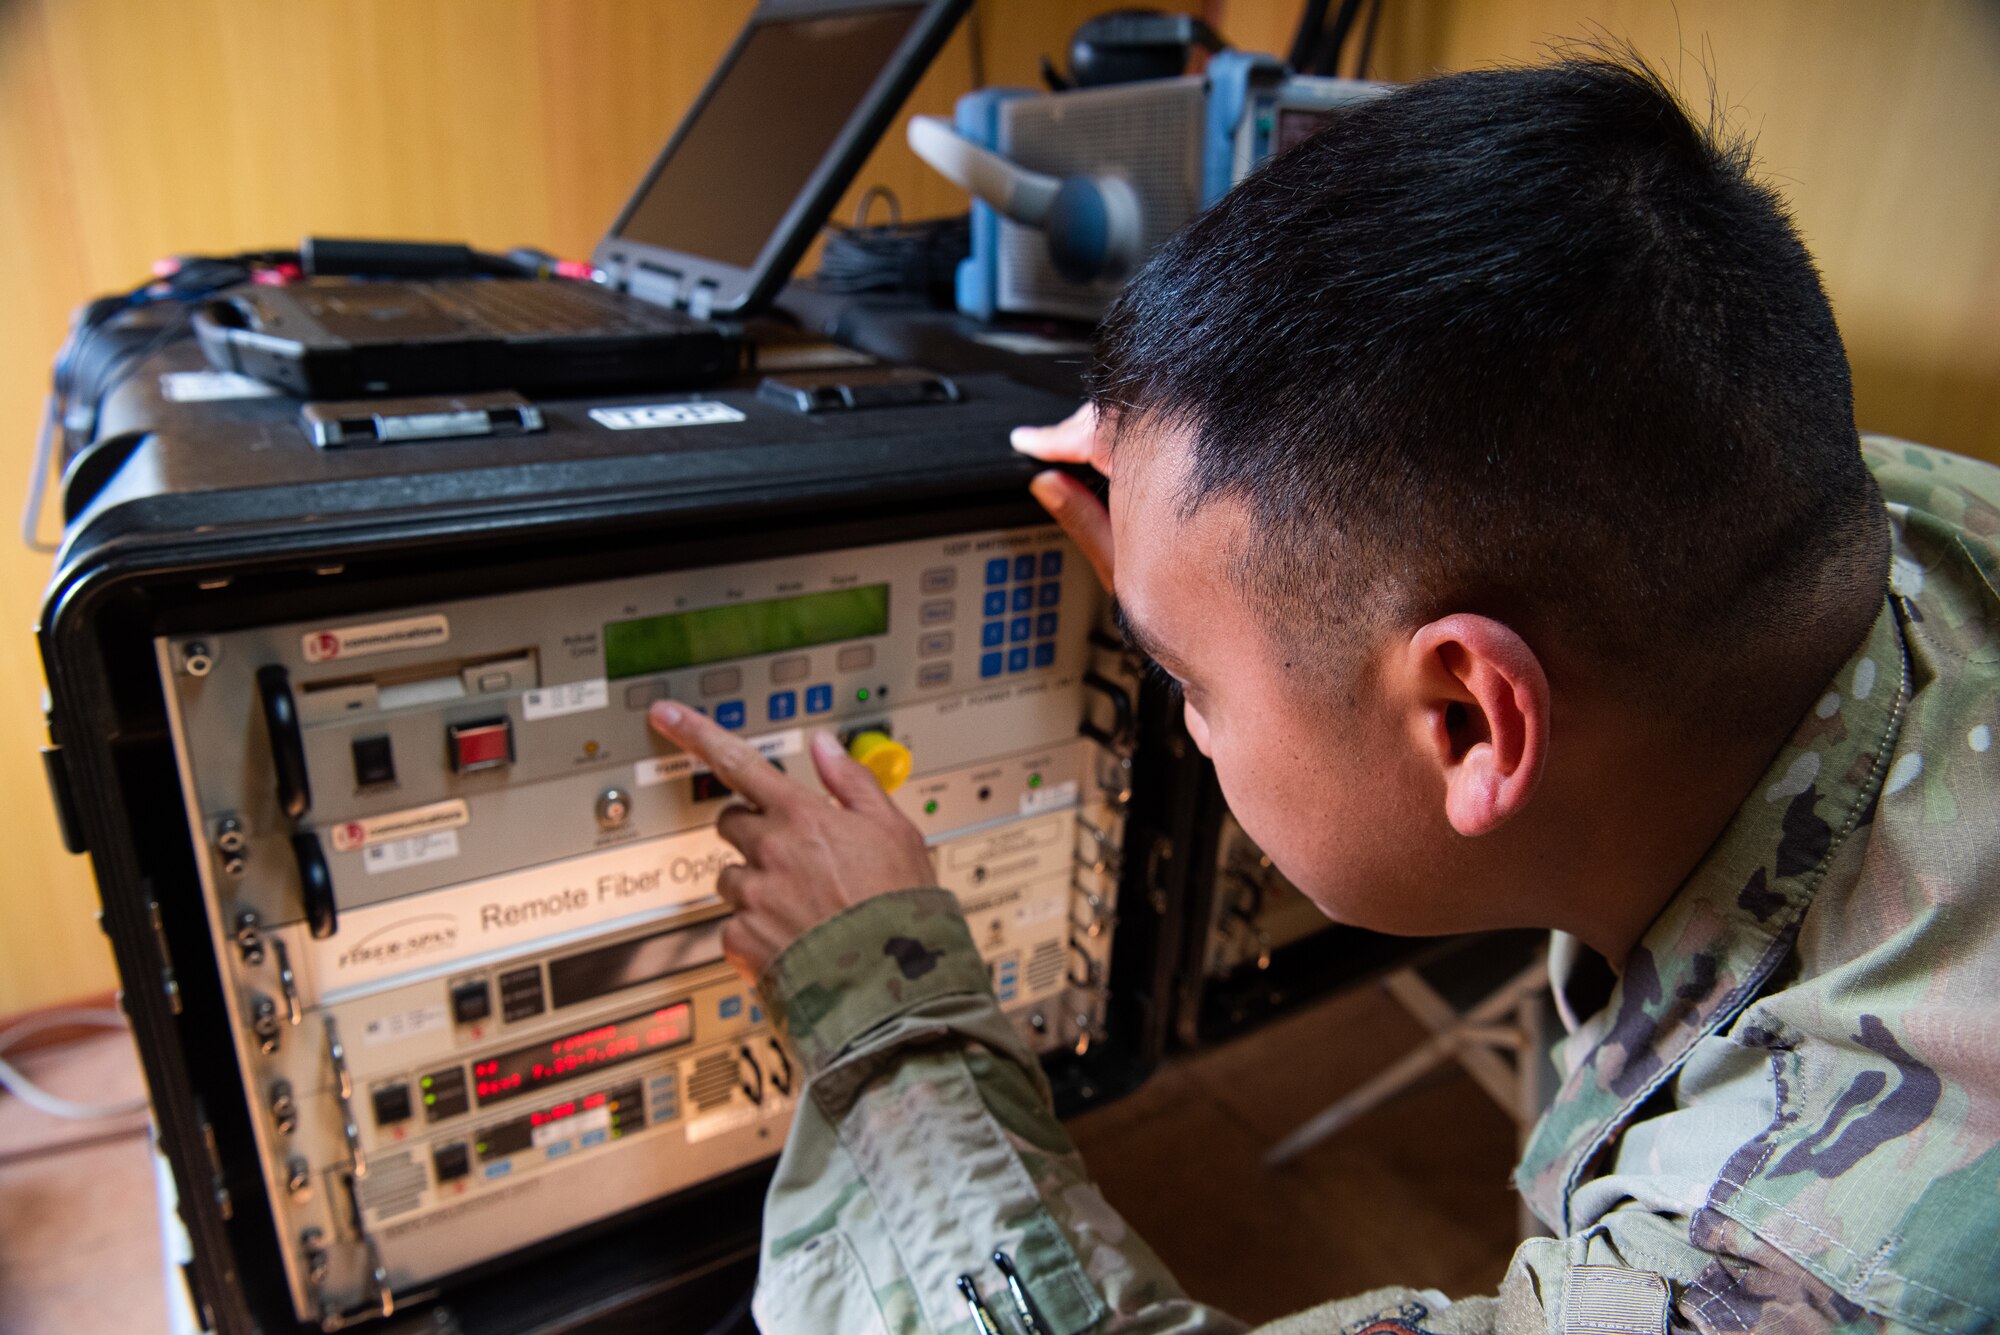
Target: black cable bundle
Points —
{"points": [[920, 257]]}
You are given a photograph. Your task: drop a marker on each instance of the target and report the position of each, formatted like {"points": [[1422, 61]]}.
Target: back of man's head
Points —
{"points": [[1522, 342]]}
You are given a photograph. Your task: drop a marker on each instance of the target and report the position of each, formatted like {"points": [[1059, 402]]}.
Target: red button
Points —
{"points": [[483, 745]]}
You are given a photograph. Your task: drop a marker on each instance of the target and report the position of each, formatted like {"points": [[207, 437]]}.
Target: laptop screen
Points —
{"points": [[768, 123]]}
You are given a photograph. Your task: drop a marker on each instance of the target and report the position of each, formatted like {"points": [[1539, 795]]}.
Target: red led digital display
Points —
{"points": [[525, 1070]]}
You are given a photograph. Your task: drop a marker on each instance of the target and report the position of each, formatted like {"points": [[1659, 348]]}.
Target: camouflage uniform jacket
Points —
{"points": [[1786, 1117]]}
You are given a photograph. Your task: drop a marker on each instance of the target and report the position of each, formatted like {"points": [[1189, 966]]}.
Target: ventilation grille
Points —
{"points": [[1148, 134], [394, 1185], [1045, 966], [714, 1080]]}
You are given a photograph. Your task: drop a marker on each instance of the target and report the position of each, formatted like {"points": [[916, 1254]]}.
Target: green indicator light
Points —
{"points": [[862, 694], [430, 1100], [481, 1149], [930, 807], [1034, 781], [425, 1082]]}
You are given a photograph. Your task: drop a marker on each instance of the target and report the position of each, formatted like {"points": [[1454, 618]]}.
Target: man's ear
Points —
{"points": [[1481, 715]]}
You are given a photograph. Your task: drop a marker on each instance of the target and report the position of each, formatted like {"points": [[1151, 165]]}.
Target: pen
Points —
{"points": [[982, 1320], [1024, 1307]]}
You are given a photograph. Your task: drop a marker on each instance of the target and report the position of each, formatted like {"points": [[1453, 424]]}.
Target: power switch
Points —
{"points": [[471, 1002], [392, 1104], [374, 761], [487, 744], [451, 1161]]}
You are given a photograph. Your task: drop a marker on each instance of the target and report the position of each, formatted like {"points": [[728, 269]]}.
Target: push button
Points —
{"points": [[989, 664], [392, 1104], [1051, 564], [819, 699], [471, 1002], [996, 570], [1045, 654], [993, 634], [995, 603], [1017, 659], [487, 744], [1024, 567], [374, 761], [1024, 598], [1045, 625], [1050, 595], [729, 713], [1020, 628], [783, 704]]}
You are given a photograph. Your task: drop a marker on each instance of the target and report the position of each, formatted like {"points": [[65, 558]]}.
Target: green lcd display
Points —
{"points": [[743, 630]]}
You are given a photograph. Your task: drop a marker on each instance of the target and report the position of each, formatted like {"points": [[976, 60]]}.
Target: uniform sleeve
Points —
{"points": [[924, 1142]]}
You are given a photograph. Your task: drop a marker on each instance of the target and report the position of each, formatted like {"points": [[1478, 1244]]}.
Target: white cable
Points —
{"points": [[34, 1095]]}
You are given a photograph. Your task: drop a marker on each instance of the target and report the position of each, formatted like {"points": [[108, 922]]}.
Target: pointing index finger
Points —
{"points": [[735, 761]]}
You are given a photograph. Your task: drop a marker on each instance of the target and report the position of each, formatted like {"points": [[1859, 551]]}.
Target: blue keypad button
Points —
{"points": [[1045, 654], [996, 603], [819, 699], [501, 1169], [590, 1138], [730, 713], [1024, 598], [730, 1006], [1050, 595], [1051, 564], [1024, 567], [989, 665], [558, 1149], [1019, 628], [1045, 626], [996, 570], [1017, 659], [993, 634], [784, 704]]}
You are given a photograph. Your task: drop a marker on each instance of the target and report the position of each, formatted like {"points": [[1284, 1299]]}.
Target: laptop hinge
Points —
{"points": [[654, 284]]}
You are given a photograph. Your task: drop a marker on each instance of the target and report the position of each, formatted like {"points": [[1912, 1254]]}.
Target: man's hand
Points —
{"points": [[1074, 440], [805, 858]]}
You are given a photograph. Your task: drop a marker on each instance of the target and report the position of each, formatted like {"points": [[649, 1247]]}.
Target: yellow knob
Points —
{"points": [[883, 756]]}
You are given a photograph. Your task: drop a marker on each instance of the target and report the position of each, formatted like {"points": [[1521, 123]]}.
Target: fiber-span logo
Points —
{"points": [[380, 637], [407, 942]]}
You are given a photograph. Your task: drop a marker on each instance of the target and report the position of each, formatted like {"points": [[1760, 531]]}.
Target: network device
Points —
{"points": [[416, 917]]}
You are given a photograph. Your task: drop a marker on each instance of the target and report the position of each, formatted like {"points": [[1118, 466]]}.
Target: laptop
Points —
{"points": [[707, 239]]}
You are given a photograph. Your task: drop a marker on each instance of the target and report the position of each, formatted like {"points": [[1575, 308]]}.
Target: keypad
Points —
{"points": [[1035, 588]]}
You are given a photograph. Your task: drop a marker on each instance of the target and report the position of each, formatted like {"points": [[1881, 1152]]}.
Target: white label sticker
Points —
{"points": [[401, 853], [663, 769], [478, 918], [570, 698], [212, 387], [403, 1024], [1048, 798], [572, 1126], [378, 637], [649, 416], [716, 1123], [352, 834]]}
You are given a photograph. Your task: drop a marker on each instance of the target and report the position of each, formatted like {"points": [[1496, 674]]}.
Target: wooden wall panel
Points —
{"points": [[1879, 122]]}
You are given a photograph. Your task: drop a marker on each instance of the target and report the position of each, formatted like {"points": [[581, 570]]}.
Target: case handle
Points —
{"points": [[288, 748]]}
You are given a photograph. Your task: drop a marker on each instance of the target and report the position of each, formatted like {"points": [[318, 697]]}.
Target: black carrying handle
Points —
{"points": [[288, 747], [315, 885], [1121, 713]]}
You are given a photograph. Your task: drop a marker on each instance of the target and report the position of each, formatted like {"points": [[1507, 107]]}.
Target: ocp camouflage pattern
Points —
{"points": [[1786, 1117]]}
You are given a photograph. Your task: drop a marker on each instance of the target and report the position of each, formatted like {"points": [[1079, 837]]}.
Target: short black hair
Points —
{"points": [[1521, 341]]}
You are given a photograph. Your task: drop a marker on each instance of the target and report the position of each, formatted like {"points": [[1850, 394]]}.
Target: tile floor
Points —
{"points": [[1415, 1193]]}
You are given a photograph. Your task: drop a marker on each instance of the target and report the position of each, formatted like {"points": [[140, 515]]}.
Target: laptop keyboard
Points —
{"points": [[547, 307]]}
